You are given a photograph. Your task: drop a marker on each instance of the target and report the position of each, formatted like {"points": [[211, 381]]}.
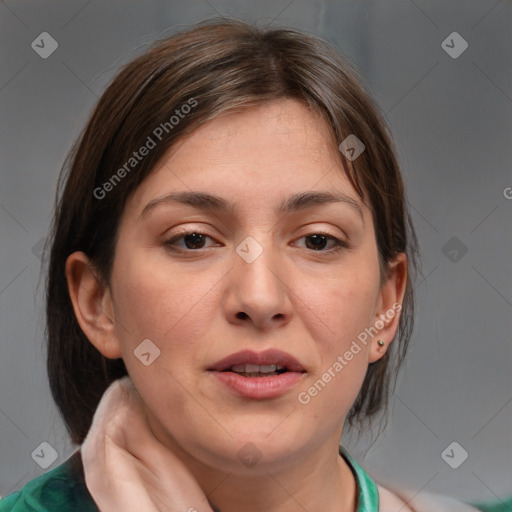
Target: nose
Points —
{"points": [[259, 291]]}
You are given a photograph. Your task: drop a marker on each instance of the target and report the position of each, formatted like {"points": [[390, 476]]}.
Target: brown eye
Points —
{"points": [[192, 240], [318, 242]]}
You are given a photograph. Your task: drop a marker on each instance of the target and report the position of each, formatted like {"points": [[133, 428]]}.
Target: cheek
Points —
{"points": [[172, 308], [338, 312], [340, 306]]}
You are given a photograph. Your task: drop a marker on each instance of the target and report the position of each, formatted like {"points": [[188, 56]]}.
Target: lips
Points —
{"points": [[266, 358], [263, 384]]}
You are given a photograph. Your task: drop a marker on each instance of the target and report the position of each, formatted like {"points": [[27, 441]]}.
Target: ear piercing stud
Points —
{"points": [[381, 344]]}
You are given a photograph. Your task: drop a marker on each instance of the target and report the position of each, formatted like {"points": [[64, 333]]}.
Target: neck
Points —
{"points": [[329, 488], [319, 479]]}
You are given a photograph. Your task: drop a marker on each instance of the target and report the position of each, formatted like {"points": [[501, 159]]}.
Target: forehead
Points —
{"points": [[285, 121], [262, 154]]}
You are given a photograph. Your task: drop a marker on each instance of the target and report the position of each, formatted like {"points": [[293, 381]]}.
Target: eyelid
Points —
{"points": [[183, 233], [339, 243]]}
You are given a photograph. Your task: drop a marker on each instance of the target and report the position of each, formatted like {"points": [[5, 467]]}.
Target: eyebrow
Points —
{"points": [[209, 202]]}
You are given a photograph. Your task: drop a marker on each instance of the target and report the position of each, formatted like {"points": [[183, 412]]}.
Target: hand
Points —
{"points": [[126, 468]]}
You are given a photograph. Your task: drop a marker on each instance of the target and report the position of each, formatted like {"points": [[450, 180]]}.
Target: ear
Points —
{"points": [[93, 305], [389, 307]]}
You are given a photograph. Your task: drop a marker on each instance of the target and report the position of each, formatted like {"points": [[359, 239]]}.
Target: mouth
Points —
{"points": [[259, 376], [255, 370], [269, 363]]}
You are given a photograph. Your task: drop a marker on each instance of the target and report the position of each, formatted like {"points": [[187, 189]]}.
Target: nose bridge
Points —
{"points": [[257, 261], [259, 290]]}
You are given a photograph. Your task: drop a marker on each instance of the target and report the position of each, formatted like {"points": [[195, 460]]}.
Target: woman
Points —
{"points": [[233, 235]]}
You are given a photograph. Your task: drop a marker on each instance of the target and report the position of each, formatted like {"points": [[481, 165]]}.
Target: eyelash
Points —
{"points": [[338, 243]]}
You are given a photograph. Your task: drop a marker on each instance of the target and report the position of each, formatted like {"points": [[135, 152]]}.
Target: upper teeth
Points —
{"points": [[255, 368]]}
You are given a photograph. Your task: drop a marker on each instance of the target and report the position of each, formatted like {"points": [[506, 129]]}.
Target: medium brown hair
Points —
{"points": [[223, 65]]}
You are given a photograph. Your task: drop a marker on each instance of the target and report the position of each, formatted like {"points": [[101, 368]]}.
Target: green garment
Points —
{"points": [[367, 492], [495, 506], [63, 489]]}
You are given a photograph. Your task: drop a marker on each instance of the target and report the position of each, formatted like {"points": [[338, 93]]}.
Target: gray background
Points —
{"points": [[452, 126]]}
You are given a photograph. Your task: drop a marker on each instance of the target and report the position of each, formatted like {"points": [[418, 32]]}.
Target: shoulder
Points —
{"points": [[60, 489], [390, 501]]}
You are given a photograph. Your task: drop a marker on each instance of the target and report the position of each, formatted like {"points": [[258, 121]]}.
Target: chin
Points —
{"points": [[264, 451]]}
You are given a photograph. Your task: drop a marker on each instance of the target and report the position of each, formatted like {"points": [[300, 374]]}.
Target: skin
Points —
{"points": [[310, 303]]}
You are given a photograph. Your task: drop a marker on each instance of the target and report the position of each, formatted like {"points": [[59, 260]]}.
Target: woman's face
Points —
{"points": [[256, 278]]}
